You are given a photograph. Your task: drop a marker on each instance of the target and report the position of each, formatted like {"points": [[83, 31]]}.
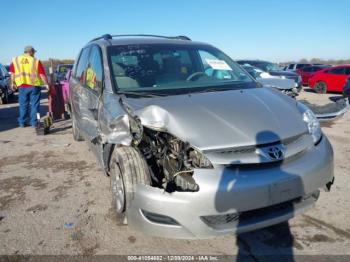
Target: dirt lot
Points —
{"points": [[54, 199]]}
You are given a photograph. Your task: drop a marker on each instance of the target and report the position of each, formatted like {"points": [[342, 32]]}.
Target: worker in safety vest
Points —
{"points": [[28, 75], [90, 77]]}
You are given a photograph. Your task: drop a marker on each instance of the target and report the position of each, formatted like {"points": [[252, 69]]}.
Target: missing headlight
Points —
{"points": [[171, 160]]}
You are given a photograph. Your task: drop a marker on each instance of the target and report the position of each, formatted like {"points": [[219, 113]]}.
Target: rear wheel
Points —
{"points": [[321, 87], [127, 169]]}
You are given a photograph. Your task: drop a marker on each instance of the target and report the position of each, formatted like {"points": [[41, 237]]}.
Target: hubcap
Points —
{"points": [[321, 88], [118, 192]]}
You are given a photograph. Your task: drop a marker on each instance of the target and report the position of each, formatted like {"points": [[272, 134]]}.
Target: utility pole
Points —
{"points": [[52, 80]]}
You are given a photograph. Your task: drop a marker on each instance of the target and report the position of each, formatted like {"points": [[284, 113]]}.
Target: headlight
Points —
{"points": [[313, 125]]}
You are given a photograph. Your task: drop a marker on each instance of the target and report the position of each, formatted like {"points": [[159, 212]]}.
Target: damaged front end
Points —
{"points": [[171, 161]]}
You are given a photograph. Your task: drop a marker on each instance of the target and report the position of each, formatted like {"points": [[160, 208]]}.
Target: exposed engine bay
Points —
{"points": [[171, 161]]}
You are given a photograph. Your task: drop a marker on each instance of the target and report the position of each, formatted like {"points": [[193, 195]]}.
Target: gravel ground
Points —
{"points": [[54, 200]]}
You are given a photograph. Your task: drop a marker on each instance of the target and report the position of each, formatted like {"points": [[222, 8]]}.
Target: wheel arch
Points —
{"points": [[106, 156]]}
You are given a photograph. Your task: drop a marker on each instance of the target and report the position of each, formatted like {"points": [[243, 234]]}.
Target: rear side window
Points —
{"points": [[94, 71], [337, 71], [302, 65], [347, 71], [308, 69], [81, 66]]}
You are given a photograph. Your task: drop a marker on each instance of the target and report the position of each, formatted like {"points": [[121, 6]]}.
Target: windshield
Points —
{"points": [[253, 71], [163, 67]]}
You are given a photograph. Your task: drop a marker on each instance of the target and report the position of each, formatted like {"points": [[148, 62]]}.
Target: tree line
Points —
{"points": [[320, 61]]}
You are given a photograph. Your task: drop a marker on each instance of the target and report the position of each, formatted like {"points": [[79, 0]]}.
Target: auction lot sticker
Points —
{"points": [[218, 64]]}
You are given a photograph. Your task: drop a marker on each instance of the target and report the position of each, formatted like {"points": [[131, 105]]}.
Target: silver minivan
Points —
{"points": [[194, 147]]}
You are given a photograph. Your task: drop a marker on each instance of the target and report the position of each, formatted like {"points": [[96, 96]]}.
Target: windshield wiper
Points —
{"points": [[139, 94], [215, 89]]}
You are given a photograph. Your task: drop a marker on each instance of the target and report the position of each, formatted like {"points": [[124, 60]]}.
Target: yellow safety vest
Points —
{"points": [[90, 78], [26, 70]]}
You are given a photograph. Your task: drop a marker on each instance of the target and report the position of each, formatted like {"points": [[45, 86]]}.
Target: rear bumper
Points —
{"points": [[235, 199]]}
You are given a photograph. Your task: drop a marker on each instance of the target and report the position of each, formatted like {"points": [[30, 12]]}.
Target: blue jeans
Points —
{"points": [[29, 97]]}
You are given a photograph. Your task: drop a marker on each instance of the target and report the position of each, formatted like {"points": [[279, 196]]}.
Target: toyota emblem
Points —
{"points": [[275, 152]]}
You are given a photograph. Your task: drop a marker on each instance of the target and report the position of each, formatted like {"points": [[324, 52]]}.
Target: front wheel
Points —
{"points": [[127, 169], [321, 87]]}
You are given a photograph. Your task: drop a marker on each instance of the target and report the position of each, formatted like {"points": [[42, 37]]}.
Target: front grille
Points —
{"points": [[250, 216], [219, 219], [254, 166], [260, 213], [256, 156], [239, 150], [252, 148]]}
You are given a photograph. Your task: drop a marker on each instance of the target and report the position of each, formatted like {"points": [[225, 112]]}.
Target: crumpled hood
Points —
{"points": [[223, 119]]}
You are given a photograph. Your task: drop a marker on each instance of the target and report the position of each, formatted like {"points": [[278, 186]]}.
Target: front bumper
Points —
{"points": [[299, 86], [236, 199]]}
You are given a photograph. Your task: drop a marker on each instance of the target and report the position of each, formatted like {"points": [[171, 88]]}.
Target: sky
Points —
{"points": [[274, 30]]}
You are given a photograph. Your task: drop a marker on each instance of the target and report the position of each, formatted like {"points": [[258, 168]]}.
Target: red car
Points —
{"points": [[309, 71], [330, 79]]}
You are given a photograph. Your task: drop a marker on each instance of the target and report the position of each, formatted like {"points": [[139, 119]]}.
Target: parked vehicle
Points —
{"points": [[193, 145], [7, 67], [346, 89], [275, 70], [65, 89], [61, 71], [330, 79], [308, 71], [5, 89], [284, 85], [294, 67], [328, 112]]}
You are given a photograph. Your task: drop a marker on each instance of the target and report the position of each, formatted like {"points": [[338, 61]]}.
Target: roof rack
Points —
{"points": [[110, 37]]}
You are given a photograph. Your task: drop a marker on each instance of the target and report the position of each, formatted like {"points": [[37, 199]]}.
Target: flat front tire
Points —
{"points": [[128, 168]]}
